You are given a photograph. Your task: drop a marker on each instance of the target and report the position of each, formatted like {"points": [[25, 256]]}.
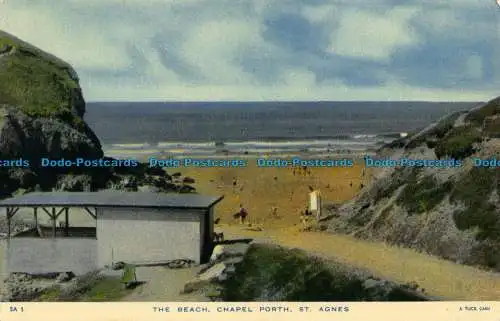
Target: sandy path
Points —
{"points": [[162, 284], [438, 277]]}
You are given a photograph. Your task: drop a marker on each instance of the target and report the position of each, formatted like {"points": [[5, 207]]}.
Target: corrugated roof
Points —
{"points": [[110, 199]]}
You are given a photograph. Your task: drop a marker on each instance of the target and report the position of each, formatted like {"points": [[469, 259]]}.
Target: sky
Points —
{"points": [[261, 50]]}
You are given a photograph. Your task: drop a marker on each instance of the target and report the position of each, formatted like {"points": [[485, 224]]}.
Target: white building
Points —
{"points": [[133, 227]]}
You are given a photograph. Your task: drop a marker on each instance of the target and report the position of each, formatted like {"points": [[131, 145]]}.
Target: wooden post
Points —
{"points": [[53, 216], [8, 222], [319, 206], [35, 216], [66, 217]]}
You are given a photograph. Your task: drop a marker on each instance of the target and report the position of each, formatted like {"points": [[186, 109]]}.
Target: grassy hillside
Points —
{"points": [[37, 82], [272, 273], [450, 212]]}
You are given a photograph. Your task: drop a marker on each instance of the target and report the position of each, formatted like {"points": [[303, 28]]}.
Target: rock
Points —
{"points": [[194, 285], [221, 252], [180, 264], [41, 115], [118, 266], [230, 269], [217, 253], [29, 137], [234, 260], [214, 273], [64, 277], [188, 180]]}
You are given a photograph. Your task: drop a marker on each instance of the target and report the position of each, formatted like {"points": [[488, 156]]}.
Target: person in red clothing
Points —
{"points": [[243, 214]]}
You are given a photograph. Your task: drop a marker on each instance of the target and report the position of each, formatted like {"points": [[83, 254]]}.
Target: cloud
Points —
{"points": [[220, 42], [373, 36], [73, 40], [268, 49]]}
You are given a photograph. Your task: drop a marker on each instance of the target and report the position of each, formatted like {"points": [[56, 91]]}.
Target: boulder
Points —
{"points": [[222, 252], [213, 274], [64, 277]]}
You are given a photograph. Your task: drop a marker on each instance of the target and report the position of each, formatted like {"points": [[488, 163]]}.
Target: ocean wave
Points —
{"points": [[202, 145], [345, 142], [130, 146]]}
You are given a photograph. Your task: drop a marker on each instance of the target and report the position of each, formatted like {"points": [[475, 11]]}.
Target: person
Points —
{"points": [[242, 214], [274, 211], [305, 217]]}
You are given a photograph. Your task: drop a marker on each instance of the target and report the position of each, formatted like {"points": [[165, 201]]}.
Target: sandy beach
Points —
{"points": [[259, 189]]}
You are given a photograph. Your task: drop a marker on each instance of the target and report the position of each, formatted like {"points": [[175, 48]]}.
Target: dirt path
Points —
{"points": [[438, 277], [163, 284]]}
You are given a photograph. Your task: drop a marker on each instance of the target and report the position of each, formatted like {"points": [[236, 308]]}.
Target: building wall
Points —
{"points": [[203, 232], [48, 255], [139, 236]]}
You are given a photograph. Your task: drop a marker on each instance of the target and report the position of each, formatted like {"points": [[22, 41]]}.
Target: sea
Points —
{"points": [[209, 128]]}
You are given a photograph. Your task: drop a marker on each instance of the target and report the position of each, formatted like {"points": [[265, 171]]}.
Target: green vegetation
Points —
{"points": [[459, 142], [271, 273], [420, 196], [486, 254], [397, 143], [473, 191], [91, 287], [491, 127], [477, 117], [35, 82], [107, 289], [437, 132]]}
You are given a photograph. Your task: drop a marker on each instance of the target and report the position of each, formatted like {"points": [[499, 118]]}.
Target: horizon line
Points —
{"points": [[285, 101]]}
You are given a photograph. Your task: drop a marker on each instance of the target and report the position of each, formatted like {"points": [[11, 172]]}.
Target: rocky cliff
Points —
{"points": [[42, 115], [450, 212]]}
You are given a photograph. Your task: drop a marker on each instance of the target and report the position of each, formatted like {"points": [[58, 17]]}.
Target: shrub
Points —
{"points": [[475, 186], [272, 273], [491, 108], [422, 196], [473, 191], [483, 216], [491, 127], [459, 143]]}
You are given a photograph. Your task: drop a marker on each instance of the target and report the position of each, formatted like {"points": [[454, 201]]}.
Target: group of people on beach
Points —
{"points": [[302, 170]]}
